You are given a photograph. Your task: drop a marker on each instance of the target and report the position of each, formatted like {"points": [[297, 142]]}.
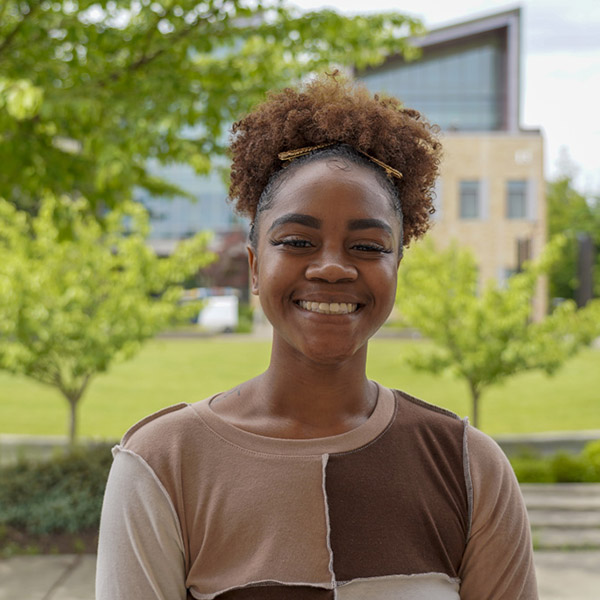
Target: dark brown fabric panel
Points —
{"points": [[399, 505], [277, 592]]}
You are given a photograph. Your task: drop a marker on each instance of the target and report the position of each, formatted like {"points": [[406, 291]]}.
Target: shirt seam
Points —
{"points": [[324, 461], [468, 479]]}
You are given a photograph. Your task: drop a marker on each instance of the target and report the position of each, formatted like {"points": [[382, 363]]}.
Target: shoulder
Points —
{"points": [[430, 434], [165, 431], [419, 414], [163, 418], [424, 409], [494, 486], [487, 461]]}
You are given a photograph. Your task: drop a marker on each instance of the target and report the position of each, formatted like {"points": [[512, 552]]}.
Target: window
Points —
{"points": [[516, 199], [524, 252], [470, 205]]}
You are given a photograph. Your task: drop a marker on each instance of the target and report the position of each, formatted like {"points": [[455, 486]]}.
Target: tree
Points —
{"points": [[91, 90], [571, 214], [75, 296], [486, 337]]}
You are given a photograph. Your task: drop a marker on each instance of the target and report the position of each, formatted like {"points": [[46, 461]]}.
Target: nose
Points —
{"points": [[331, 267]]}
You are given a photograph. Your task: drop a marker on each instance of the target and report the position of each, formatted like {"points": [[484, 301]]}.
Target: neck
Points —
{"points": [[317, 399]]}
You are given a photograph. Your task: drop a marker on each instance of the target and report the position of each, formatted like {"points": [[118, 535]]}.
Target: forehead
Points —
{"points": [[336, 186]]}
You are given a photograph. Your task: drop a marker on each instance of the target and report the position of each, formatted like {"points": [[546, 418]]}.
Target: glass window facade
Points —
{"points": [[459, 89], [516, 199], [469, 200], [180, 217]]}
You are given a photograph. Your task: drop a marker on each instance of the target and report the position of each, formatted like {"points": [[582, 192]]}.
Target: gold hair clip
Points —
{"points": [[292, 154], [389, 170]]}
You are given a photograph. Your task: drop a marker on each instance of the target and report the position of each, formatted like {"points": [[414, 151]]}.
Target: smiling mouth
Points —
{"points": [[328, 308]]}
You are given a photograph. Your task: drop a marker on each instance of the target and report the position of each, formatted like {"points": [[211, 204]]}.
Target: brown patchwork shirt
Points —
{"points": [[412, 504]]}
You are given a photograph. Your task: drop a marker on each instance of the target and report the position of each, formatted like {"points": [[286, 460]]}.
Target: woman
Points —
{"points": [[310, 481]]}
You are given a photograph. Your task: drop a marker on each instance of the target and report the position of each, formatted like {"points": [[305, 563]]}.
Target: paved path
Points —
{"points": [[567, 575], [63, 577], [561, 576]]}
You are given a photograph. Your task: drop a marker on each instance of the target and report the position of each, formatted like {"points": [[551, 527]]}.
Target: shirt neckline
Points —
{"points": [[366, 432]]}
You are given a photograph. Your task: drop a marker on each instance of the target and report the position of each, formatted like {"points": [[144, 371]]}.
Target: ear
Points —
{"points": [[253, 263], [399, 257]]}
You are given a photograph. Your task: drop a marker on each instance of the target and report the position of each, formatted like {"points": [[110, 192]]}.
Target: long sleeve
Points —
{"points": [[140, 550], [498, 560]]}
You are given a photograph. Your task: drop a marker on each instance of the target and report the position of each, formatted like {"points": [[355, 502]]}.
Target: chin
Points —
{"points": [[330, 355]]}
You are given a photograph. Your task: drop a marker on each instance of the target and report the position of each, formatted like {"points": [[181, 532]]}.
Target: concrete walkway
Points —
{"points": [[62, 577], [561, 576], [568, 575]]}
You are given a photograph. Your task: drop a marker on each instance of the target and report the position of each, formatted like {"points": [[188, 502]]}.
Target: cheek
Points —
{"points": [[268, 274], [388, 283]]}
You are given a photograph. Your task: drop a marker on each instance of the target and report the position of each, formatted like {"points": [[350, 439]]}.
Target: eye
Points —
{"points": [[371, 247], [292, 242]]}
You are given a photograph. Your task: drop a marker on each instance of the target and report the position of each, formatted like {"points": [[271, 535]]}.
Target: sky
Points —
{"points": [[560, 69]]}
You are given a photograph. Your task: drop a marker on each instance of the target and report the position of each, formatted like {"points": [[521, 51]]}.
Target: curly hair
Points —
{"points": [[331, 110]]}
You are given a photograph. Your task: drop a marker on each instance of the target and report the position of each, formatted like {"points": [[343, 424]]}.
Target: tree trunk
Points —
{"points": [[475, 394], [73, 397], [72, 420]]}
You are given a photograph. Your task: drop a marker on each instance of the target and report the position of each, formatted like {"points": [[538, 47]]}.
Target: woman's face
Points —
{"points": [[326, 260]]}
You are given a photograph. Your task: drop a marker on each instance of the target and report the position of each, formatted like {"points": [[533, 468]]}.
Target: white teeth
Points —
{"points": [[333, 308]]}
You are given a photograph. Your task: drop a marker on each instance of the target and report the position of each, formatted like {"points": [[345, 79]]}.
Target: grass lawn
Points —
{"points": [[168, 371]]}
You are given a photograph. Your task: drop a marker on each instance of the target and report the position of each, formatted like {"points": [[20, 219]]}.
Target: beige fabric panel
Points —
{"points": [[427, 586], [140, 551], [231, 497], [499, 555]]}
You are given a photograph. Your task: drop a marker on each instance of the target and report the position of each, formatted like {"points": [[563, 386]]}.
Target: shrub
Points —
{"points": [[62, 494], [561, 467], [531, 469], [592, 454], [569, 468]]}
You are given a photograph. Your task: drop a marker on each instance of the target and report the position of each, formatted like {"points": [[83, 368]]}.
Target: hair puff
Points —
{"points": [[330, 109]]}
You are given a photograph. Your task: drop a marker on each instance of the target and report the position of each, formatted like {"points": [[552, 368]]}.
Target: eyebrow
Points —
{"points": [[314, 223], [298, 218], [356, 224]]}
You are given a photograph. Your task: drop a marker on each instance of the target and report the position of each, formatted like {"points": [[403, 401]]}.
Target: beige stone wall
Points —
{"points": [[493, 158]]}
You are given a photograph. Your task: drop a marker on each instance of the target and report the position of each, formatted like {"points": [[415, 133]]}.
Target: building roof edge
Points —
{"points": [[462, 29]]}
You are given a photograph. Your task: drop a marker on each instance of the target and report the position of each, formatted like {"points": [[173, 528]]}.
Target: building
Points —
{"points": [[490, 195], [173, 219]]}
